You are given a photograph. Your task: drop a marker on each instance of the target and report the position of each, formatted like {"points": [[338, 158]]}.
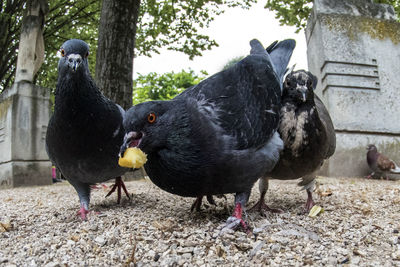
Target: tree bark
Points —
{"points": [[115, 51]]}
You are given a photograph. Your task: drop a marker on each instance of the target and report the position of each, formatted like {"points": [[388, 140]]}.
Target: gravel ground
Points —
{"points": [[359, 227]]}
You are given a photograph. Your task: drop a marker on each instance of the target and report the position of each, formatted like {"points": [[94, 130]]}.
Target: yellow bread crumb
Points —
{"points": [[133, 158]]}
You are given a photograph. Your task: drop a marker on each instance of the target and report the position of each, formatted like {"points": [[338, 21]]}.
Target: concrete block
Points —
{"points": [[24, 115], [353, 47]]}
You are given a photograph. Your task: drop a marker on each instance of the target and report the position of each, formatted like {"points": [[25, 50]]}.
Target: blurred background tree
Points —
{"points": [[66, 19], [296, 12], [163, 23], [154, 86]]}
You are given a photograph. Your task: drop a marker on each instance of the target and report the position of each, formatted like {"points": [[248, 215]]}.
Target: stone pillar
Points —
{"points": [[353, 47], [31, 43], [25, 110], [24, 114]]}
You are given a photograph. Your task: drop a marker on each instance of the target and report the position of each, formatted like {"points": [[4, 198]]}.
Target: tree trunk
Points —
{"points": [[114, 59]]}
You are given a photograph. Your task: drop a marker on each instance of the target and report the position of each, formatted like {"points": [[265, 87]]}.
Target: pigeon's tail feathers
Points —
{"points": [[396, 169], [280, 56], [256, 48], [271, 46]]}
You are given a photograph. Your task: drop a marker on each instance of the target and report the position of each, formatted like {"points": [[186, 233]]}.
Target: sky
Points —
{"points": [[233, 31]]}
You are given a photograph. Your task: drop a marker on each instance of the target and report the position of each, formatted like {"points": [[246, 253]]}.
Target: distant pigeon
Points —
{"points": [[379, 163], [216, 137], [85, 132], [307, 133]]}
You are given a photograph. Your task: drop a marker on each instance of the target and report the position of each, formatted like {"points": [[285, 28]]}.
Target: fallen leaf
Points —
{"points": [[5, 227], [315, 210]]}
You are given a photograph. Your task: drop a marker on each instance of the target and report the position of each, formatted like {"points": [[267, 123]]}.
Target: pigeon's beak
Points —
{"points": [[74, 61], [131, 139], [303, 92]]}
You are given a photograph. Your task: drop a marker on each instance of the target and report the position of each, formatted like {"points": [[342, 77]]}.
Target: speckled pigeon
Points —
{"points": [[308, 135], [218, 136], [379, 163], [85, 132]]}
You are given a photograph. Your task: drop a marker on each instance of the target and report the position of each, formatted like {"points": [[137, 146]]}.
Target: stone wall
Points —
{"points": [[353, 48], [24, 115]]}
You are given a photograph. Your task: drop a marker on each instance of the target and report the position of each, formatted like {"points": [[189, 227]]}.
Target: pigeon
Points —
{"points": [[308, 135], [86, 129], [379, 163], [218, 136]]}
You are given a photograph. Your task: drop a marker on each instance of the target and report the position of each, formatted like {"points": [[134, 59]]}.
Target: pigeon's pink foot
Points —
{"points": [[119, 184], [82, 213], [261, 207], [94, 186], [310, 202], [236, 220]]}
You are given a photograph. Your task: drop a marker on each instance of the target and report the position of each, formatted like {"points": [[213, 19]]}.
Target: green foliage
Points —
{"points": [[296, 12], [162, 23], [66, 19], [232, 62], [176, 24], [165, 86]]}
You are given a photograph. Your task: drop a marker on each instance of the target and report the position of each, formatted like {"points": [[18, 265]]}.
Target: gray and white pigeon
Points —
{"points": [[380, 163], [308, 135], [216, 137], [85, 131]]}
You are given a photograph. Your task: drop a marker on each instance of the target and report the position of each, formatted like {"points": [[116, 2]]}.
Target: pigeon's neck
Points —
{"points": [[372, 157], [77, 93]]}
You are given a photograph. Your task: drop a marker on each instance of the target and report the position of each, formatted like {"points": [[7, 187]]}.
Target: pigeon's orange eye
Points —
{"points": [[151, 117], [62, 52]]}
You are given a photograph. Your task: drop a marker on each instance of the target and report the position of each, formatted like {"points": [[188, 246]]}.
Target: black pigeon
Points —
{"points": [[307, 132], [85, 132], [379, 163], [216, 137]]}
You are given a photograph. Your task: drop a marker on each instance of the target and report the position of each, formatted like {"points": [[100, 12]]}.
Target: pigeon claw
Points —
{"points": [[261, 207], [310, 202], [82, 213], [197, 203], [236, 221], [119, 184]]}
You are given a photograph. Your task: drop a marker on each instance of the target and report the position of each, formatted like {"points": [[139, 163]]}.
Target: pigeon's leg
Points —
{"points": [[119, 184], [236, 219], [196, 204], [370, 176], [83, 191], [211, 200], [260, 206], [308, 182], [310, 202]]}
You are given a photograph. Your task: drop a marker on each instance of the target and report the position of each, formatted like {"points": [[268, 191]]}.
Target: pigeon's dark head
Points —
{"points": [[74, 57], [372, 147], [299, 85], [147, 126]]}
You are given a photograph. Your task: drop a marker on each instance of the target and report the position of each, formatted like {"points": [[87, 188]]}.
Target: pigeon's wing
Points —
{"points": [[244, 100], [384, 163], [121, 110], [328, 126], [280, 54]]}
